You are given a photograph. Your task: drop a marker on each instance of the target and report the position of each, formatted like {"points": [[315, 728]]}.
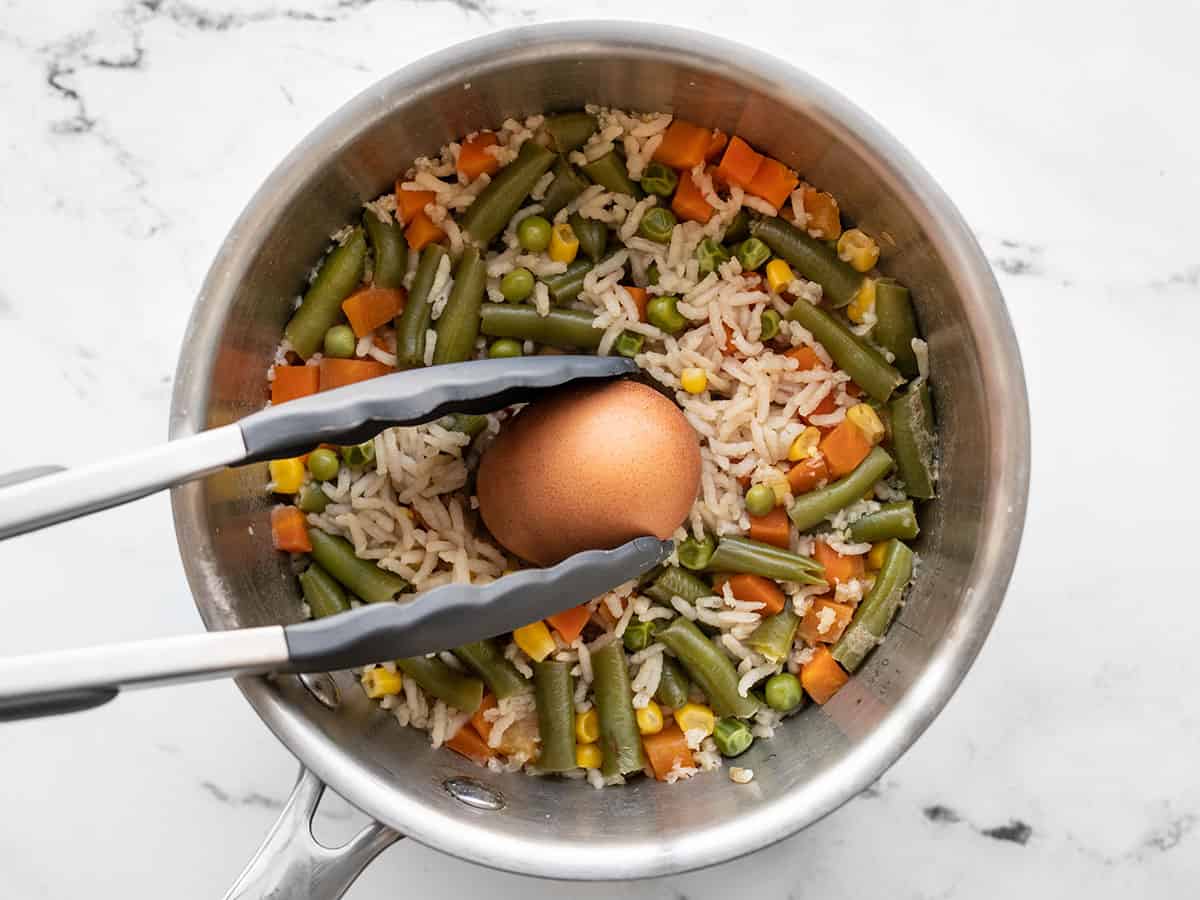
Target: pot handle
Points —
{"points": [[292, 863]]}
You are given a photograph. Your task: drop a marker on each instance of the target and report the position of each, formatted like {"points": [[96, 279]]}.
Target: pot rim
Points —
{"points": [[1003, 519]]}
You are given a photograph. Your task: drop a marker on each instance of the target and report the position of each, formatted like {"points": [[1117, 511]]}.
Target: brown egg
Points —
{"points": [[589, 468]]}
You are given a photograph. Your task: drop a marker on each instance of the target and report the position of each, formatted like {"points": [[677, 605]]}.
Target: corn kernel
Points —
{"points": [[779, 275], [866, 420], [588, 756], [859, 249], [286, 475], [806, 445], [777, 482], [862, 307], [875, 557], [380, 682], [535, 640], [695, 715], [564, 245], [649, 719], [694, 381], [587, 727]]}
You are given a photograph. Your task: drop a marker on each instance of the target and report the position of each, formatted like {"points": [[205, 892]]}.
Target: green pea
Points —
{"points": [[711, 255], [312, 499], [656, 225], [340, 342], [663, 312], [783, 692], [323, 464], [629, 344], [694, 554], [760, 500], [752, 253], [533, 234], [505, 348], [659, 179], [517, 285], [638, 636], [359, 455], [732, 736], [770, 320]]}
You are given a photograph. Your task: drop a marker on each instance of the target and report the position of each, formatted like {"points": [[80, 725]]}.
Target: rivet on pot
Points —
{"points": [[323, 688], [473, 793]]}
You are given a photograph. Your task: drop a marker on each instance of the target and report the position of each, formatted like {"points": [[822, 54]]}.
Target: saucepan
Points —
{"points": [[550, 827]]}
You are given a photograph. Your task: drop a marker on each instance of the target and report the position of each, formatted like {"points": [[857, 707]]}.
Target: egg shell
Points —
{"points": [[589, 468]]}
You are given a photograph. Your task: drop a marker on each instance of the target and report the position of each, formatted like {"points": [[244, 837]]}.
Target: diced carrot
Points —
{"points": [[569, 623], [844, 448], [473, 158], [807, 357], [756, 589], [773, 528], [422, 232], [409, 203], [481, 725], [821, 677], [667, 749], [684, 145], [289, 531], [739, 163], [639, 299], [716, 145], [689, 203], [839, 569], [371, 307], [468, 743], [822, 209], [810, 624], [337, 373], [774, 182], [827, 405], [293, 382], [808, 475]]}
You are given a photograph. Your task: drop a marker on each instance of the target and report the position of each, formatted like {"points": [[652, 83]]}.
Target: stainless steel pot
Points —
{"points": [[549, 827]]}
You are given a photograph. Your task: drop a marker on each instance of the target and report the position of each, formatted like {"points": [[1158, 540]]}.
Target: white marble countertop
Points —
{"points": [[133, 133]]}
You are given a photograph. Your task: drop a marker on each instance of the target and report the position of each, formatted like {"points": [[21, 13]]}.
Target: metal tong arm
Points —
{"points": [[346, 415]]}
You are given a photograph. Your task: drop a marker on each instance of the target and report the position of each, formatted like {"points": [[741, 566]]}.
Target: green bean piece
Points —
{"points": [[323, 464], [566, 286], [505, 348], [638, 635], [469, 424], [312, 499], [389, 251], [566, 328], [869, 370], [739, 554], [663, 313], [732, 737], [489, 214], [892, 520], [783, 692], [839, 281], [570, 131], [340, 342], [517, 285], [711, 255], [914, 440], [774, 636], [324, 596], [629, 343], [462, 692], [339, 275], [874, 614], [770, 320], [413, 321], [533, 234], [739, 228], [566, 186], [486, 661], [673, 687], [652, 275], [458, 325], [709, 667], [610, 173], [657, 225], [896, 324], [659, 180], [752, 253], [676, 582], [760, 500], [809, 509], [695, 554], [620, 740], [593, 236], [555, 694], [361, 577], [358, 455]]}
